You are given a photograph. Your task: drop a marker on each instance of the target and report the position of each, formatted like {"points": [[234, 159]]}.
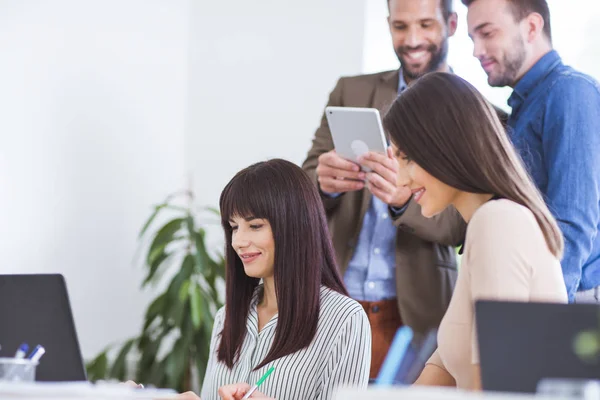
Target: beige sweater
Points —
{"points": [[505, 258]]}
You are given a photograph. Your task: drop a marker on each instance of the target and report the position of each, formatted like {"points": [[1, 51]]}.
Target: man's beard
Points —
{"points": [[438, 57], [511, 64]]}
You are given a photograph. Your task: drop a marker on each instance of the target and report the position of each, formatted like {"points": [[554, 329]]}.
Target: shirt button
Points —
{"points": [[376, 251], [375, 309], [371, 285], [384, 215]]}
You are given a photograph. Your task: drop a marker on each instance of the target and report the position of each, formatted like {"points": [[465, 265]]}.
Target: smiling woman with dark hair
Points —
{"points": [[461, 156], [299, 318]]}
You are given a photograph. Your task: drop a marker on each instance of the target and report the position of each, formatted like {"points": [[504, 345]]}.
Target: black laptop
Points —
{"points": [[522, 343], [35, 309]]}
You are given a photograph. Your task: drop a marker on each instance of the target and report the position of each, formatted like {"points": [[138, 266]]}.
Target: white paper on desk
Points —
{"points": [[80, 390]]}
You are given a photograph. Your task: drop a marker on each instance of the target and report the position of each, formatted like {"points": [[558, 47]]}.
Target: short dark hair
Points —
{"points": [[446, 6], [522, 8], [283, 194]]}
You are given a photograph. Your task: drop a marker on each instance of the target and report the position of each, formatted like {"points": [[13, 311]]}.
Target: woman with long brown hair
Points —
{"points": [[453, 151], [286, 306]]}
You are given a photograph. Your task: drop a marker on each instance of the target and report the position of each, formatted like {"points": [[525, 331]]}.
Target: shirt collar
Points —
{"points": [[402, 85], [532, 78], [401, 82]]}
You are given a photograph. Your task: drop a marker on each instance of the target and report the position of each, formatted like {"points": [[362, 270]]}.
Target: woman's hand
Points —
{"points": [[234, 392], [239, 390]]}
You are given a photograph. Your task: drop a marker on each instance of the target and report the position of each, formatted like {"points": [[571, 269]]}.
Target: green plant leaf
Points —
{"points": [[149, 348], [155, 253], [176, 362], [166, 233], [220, 266], [154, 267], [97, 369], [176, 308], [151, 219], [155, 310], [119, 367], [196, 306], [202, 342], [187, 266], [184, 291]]}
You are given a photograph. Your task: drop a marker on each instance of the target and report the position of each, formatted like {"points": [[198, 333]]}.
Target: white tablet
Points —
{"points": [[356, 131]]}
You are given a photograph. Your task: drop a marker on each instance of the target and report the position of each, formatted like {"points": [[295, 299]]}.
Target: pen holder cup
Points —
{"points": [[17, 369]]}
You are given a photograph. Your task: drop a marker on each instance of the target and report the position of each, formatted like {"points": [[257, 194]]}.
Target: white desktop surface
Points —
{"points": [[79, 390], [431, 393]]}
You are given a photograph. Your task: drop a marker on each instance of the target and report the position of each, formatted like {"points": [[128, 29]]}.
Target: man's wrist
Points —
{"points": [[396, 211], [329, 194]]}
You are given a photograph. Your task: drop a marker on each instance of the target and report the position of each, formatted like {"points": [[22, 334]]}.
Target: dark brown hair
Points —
{"points": [[522, 8], [450, 130], [283, 194], [446, 6]]}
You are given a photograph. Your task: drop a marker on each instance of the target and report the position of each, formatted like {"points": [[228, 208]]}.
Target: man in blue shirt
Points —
{"points": [[398, 264], [555, 125]]}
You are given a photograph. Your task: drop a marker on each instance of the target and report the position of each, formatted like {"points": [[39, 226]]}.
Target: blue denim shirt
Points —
{"points": [[556, 128], [371, 273]]}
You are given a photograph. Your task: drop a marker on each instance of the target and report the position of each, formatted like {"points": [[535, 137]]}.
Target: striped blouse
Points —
{"points": [[340, 354]]}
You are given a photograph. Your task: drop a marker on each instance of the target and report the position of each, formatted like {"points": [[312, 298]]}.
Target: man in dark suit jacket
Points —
{"points": [[398, 264]]}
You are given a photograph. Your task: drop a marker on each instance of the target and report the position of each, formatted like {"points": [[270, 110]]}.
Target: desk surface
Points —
{"points": [[79, 390], [432, 393]]}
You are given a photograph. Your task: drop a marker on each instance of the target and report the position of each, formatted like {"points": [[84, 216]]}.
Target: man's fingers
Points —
{"points": [[380, 194], [326, 170], [381, 169], [380, 158], [332, 185], [380, 183], [332, 159]]}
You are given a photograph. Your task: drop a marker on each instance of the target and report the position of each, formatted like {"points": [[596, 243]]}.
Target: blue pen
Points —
{"points": [[37, 353], [22, 350]]}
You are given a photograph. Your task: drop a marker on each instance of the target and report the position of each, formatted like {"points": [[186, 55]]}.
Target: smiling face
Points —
{"points": [[252, 239], [420, 35], [499, 41], [433, 195]]}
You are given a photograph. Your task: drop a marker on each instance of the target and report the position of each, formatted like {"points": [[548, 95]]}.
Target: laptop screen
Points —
{"points": [[522, 343], [35, 309]]}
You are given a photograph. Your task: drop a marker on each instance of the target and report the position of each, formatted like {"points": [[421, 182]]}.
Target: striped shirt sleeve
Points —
{"points": [[349, 361]]}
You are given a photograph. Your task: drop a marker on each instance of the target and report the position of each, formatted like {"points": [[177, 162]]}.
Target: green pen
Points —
{"points": [[260, 381]]}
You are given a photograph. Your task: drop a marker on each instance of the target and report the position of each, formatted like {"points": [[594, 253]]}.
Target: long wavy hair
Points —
{"points": [[451, 131], [283, 194]]}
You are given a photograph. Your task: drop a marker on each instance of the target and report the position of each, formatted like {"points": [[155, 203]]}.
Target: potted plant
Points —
{"points": [[172, 348]]}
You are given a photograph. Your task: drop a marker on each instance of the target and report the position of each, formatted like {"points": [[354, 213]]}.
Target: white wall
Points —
{"points": [[93, 124], [92, 119], [260, 76]]}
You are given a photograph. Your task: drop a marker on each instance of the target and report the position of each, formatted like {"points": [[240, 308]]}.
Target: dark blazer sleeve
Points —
{"points": [[447, 228], [322, 143]]}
